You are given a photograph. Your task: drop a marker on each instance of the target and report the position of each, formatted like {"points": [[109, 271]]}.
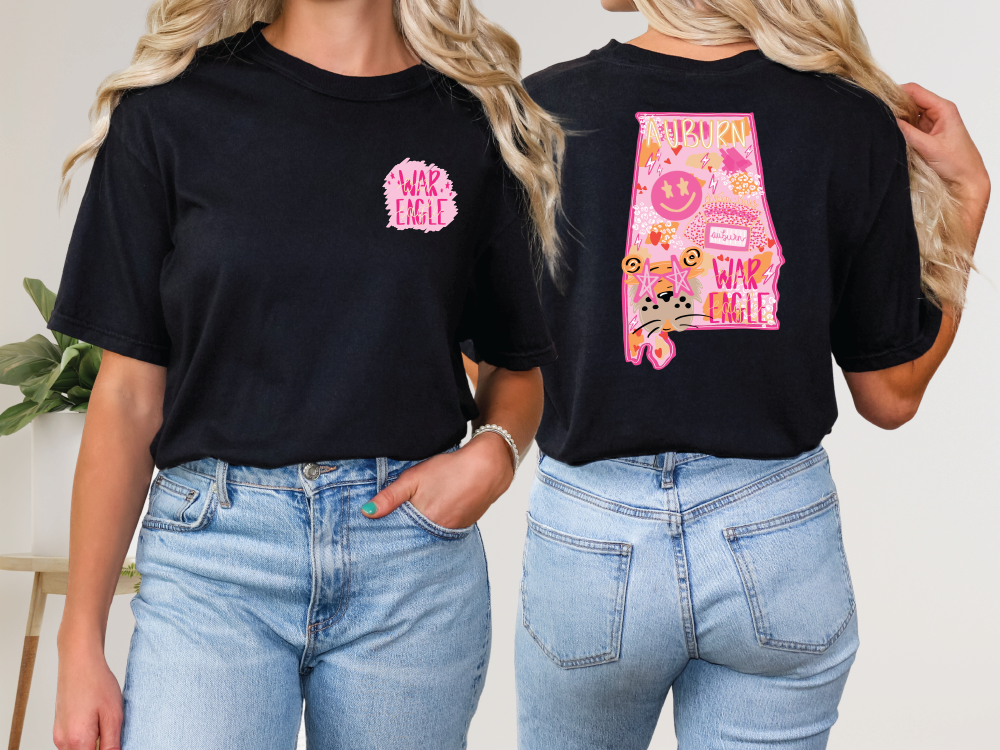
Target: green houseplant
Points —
{"points": [[52, 376]]}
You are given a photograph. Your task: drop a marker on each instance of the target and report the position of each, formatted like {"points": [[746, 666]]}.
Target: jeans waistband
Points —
{"points": [[302, 477]]}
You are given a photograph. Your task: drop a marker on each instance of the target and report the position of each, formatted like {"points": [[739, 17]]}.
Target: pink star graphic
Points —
{"points": [[679, 276], [647, 280]]}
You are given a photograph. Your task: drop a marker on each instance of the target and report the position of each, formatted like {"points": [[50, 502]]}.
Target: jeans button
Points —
{"points": [[311, 471]]}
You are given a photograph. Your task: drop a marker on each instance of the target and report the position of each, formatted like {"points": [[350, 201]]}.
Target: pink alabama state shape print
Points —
{"points": [[702, 253]]}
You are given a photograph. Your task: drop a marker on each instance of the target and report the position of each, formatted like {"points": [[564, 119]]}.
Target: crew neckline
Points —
{"points": [[629, 54], [356, 88]]}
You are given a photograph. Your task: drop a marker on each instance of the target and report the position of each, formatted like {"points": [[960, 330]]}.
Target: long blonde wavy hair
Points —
{"points": [[452, 36], [824, 36]]}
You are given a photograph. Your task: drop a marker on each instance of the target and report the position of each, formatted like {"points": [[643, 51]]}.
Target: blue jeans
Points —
{"points": [[264, 588], [722, 579]]}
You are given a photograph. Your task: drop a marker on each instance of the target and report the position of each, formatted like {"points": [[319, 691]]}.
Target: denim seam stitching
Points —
{"points": [[781, 645], [782, 521], [593, 545], [289, 489], [611, 505], [442, 532], [479, 678], [345, 587], [174, 487], [613, 653], [638, 464], [310, 647], [202, 521], [684, 594], [748, 578], [754, 487], [734, 535]]}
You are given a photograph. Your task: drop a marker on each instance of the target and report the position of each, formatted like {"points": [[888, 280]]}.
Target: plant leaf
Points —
{"points": [[18, 362], [20, 415], [64, 341], [68, 379], [78, 395], [80, 408], [43, 297], [38, 391], [31, 385], [89, 364]]}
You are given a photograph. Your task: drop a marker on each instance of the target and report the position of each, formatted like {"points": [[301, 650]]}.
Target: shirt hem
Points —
{"points": [[234, 459], [577, 460], [114, 342]]}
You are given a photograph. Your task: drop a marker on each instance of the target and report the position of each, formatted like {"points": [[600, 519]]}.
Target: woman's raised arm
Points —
{"points": [[890, 398]]}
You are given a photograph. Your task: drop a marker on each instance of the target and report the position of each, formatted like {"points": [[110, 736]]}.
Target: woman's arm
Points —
{"points": [[112, 477], [889, 398], [456, 489], [472, 370]]}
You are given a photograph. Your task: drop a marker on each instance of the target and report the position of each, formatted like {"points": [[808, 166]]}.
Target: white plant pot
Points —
{"points": [[55, 445]]}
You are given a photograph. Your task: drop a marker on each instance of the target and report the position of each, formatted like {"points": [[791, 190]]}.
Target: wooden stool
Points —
{"points": [[51, 574]]}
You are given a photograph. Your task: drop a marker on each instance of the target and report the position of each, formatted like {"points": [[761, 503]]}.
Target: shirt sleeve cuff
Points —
{"points": [[517, 361], [931, 325], [118, 343]]}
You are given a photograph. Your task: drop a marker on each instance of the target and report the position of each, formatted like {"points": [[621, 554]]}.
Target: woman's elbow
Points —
{"points": [[890, 413]]}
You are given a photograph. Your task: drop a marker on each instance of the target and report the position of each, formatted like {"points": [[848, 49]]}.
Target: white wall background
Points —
{"points": [[920, 505]]}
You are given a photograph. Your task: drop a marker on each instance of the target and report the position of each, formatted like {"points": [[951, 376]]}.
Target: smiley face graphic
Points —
{"points": [[676, 195]]}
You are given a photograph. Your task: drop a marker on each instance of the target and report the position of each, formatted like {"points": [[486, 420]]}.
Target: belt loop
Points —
{"points": [[669, 461], [381, 473], [221, 481]]}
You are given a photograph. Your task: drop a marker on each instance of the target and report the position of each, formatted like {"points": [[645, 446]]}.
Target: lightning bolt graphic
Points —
{"points": [[748, 151], [704, 161], [713, 183]]}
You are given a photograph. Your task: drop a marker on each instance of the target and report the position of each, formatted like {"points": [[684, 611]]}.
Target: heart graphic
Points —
{"points": [[677, 149], [770, 242], [654, 238], [658, 353]]}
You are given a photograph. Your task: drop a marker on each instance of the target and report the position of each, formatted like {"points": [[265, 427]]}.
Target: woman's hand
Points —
{"points": [[88, 700], [453, 490], [943, 140], [456, 489]]}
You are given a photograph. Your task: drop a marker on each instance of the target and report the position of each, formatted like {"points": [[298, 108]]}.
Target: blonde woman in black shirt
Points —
{"points": [[281, 193], [739, 203]]}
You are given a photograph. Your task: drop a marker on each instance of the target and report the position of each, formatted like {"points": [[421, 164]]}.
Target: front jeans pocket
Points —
{"points": [[176, 503], [573, 595], [795, 574], [435, 529]]}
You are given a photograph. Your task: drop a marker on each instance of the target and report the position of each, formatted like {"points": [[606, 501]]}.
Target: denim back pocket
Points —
{"points": [[177, 503], [795, 574], [573, 595]]}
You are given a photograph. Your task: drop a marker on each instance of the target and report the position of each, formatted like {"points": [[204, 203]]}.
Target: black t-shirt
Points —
{"points": [[300, 250], [728, 225]]}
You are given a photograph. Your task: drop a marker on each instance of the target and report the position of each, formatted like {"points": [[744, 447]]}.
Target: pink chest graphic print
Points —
{"points": [[702, 253], [419, 196]]}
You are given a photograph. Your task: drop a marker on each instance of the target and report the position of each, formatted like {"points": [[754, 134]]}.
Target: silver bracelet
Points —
{"points": [[515, 456]]}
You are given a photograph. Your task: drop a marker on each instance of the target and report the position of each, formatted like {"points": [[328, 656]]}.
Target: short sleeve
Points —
{"points": [[504, 311], [883, 319], [109, 295]]}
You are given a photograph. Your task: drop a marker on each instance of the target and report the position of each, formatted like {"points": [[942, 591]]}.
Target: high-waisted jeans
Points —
{"points": [[724, 580], [262, 589]]}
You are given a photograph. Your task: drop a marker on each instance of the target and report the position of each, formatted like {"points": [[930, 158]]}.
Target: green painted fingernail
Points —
{"points": [[369, 508]]}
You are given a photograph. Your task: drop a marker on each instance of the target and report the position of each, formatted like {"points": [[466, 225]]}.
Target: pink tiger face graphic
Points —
{"points": [[702, 251]]}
